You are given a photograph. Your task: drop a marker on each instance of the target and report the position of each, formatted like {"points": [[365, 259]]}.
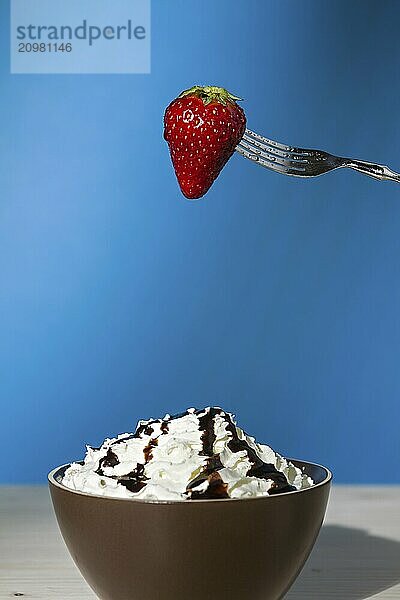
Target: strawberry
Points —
{"points": [[202, 127]]}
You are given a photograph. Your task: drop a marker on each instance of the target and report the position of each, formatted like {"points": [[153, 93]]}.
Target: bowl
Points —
{"points": [[130, 549]]}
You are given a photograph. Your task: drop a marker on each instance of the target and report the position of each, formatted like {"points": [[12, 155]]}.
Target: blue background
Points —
{"points": [[275, 297]]}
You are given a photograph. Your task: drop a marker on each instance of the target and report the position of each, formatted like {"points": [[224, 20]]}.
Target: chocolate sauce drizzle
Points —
{"points": [[216, 488], [109, 460], [148, 450], [145, 428], [208, 437], [136, 479], [165, 427], [259, 468]]}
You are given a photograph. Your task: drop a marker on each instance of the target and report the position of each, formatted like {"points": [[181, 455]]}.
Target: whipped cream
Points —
{"points": [[199, 454]]}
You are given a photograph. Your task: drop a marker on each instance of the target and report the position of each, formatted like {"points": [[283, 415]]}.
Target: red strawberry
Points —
{"points": [[202, 127]]}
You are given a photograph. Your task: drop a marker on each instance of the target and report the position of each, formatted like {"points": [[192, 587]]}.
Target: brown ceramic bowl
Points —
{"points": [[199, 550]]}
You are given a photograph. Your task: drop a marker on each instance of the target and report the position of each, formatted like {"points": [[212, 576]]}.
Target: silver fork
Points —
{"points": [[301, 162]]}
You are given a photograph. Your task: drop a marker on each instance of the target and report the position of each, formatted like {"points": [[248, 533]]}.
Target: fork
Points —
{"points": [[302, 162]]}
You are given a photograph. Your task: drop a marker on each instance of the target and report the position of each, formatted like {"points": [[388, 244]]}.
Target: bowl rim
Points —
{"points": [[327, 480]]}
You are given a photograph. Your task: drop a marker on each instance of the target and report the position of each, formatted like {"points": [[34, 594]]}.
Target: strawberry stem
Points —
{"points": [[210, 93]]}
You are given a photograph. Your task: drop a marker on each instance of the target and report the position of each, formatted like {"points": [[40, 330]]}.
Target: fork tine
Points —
{"points": [[269, 154], [306, 155], [272, 164], [256, 137]]}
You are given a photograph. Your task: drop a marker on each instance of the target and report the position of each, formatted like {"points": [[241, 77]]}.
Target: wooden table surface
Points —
{"points": [[357, 555]]}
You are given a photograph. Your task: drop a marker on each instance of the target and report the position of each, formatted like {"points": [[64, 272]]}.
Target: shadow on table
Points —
{"points": [[348, 564]]}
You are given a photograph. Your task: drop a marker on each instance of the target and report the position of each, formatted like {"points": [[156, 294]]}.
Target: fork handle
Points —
{"points": [[372, 170]]}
